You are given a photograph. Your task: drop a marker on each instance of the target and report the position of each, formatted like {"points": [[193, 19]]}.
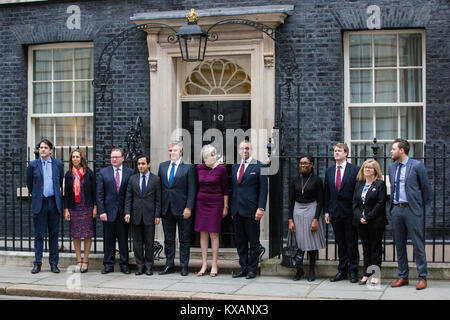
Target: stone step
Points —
{"points": [[328, 269]]}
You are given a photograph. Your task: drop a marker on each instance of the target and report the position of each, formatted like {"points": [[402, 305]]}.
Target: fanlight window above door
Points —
{"points": [[217, 77]]}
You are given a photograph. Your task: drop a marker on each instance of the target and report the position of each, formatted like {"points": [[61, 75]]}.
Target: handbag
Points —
{"points": [[291, 256]]}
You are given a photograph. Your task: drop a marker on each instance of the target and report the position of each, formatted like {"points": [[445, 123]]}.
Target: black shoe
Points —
{"points": [[338, 277], [36, 269], [354, 278], [139, 272], [167, 270], [149, 271], [125, 270], [299, 274], [184, 271], [54, 268], [240, 274], [250, 275], [107, 270]]}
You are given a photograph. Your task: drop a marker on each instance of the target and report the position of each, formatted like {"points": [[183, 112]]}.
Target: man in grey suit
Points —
{"points": [[410, 192], [143, 209]]}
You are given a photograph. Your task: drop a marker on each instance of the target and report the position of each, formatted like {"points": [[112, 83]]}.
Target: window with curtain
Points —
{"points": [[384, 89], [61, 97]]}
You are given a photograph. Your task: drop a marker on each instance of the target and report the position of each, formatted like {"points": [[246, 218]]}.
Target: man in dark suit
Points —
{"points": [[143, 209], [247, 208], [44, 180], [410, 192], [112, 184], [178, 191], [339, 186]]}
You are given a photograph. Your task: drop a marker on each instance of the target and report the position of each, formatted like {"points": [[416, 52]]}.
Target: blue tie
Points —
{"points": [[143, 184], [172, 174], [47, 183], [397, 183]]}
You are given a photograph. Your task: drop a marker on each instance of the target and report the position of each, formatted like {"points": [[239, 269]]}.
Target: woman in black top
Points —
{"points": [[306, 203], [369, 215]]}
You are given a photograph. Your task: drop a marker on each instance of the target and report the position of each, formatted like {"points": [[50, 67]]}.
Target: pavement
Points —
{"points": [[16, 281]]}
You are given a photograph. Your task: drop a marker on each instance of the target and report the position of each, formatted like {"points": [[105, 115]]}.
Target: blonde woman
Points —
{"points": [[211, 205], [369, 214]]}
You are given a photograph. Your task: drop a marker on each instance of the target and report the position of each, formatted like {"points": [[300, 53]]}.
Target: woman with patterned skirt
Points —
{"points": [[80, 205]]}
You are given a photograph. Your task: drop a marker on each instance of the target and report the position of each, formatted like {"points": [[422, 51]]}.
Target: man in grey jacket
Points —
{"points": [[410, 192]]}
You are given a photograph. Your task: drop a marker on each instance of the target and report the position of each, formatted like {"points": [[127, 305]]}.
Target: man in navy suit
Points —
{"points": [[44, 180], [410, 192], [178, 191], [339, 186], [247, 208], [112, 184]]}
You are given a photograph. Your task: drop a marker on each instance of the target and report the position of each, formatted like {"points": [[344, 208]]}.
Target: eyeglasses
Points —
{"points": [[304, 164], [369, 168]]}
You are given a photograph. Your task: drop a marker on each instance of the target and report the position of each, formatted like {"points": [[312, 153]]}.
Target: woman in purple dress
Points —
{"points": [[80, 205], [211, 205]]}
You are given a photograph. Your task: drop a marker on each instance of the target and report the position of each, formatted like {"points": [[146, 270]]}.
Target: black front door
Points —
{"points": [[221, 115]]}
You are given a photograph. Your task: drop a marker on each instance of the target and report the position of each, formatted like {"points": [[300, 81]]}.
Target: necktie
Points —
{"points": [[143, 184], [172, 174], [241, 172], [338, 178], [46, 174], [117, 180], [397, 183]]}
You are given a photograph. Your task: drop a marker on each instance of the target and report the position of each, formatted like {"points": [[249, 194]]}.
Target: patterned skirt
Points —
{"points": [[81, 222], [303, 217]]}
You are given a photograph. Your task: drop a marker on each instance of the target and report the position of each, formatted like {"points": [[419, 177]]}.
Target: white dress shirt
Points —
{"points": [[120, 173], [170, 168], [247, 162]]}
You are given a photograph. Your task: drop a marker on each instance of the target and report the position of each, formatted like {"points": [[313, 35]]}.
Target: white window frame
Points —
{"points": [[31, 139], [348, 105]]}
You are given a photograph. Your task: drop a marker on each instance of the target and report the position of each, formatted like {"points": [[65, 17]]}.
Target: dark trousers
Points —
{"points": [[170, 222], [247, 230], [346, 237], [48, 217], [143, 237], [113, 230], [371, 240], [404, 223]]}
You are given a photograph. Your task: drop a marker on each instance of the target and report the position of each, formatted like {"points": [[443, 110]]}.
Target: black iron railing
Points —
{"points": [[436, 222]]}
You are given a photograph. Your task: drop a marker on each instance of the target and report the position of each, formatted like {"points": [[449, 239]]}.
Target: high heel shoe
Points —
{"points": [[201, 274], [363, 281], [78, 268], [84, 270], [214, 274]]}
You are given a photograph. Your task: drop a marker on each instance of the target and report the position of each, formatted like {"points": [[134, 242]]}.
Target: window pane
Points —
{"points": [[42, 65], [385, 50], [386, 85], [362, 123], [411, 85], [63, 59], [62, 97], [42, 98], [43, 129], [360, 86], [65, 132], [410, 49], [387, 123], [411, 121], [83, 97], [416, 150], [360, 51], [84, 131], [83, 63]]}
